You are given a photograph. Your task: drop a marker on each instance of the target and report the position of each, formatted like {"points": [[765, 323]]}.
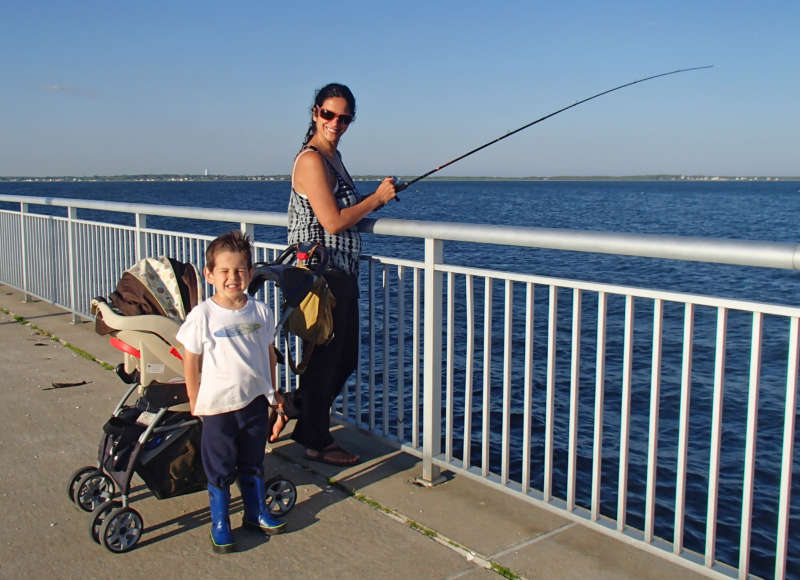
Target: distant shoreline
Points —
{"points": [[191, 178]]}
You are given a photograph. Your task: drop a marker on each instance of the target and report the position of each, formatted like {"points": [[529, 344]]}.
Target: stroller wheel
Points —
{"points": [[121, 529], [281, 495], [93, 489], [72, 483], [99, 516]]}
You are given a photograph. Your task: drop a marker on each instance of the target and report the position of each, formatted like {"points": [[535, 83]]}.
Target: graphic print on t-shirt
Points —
{"points": [[237, 330]]}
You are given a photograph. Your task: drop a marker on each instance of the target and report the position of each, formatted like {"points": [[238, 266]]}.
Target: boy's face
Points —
{"points": [[230, 277]]}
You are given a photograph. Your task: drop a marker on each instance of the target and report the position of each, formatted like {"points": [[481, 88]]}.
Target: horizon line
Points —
{"points": [[370, 176]]}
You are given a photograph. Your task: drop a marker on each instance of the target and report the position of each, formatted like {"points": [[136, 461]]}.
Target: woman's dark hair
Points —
{"points": [[327, 92]]}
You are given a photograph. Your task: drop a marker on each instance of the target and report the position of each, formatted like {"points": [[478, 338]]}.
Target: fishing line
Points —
{"points": [[403, 186]]}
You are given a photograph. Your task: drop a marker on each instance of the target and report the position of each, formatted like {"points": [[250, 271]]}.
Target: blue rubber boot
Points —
{"points": [[256, 514], [221, 537]]}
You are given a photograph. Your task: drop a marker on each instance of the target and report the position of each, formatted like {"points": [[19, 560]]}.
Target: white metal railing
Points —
{"points": [[664, 419]]}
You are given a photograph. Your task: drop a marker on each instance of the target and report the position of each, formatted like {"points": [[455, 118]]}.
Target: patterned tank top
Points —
{"points": [[343, 248]]}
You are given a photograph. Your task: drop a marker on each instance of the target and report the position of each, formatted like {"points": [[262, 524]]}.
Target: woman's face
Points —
{"points": [[332, 119]]}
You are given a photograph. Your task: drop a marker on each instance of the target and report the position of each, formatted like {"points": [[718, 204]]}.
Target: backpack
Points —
{"points": [[308, 302], [312, 320]]}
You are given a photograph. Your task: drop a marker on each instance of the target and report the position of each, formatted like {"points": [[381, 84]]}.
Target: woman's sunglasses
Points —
{"points": [[330, 116]]}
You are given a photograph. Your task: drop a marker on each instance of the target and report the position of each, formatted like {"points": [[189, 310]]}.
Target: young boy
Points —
{"points": [[229, 367]]}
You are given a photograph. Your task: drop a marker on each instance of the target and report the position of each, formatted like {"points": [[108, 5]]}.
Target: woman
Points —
{"points": [[324, 207]]}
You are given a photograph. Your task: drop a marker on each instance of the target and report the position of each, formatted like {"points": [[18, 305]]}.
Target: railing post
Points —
{"points": [[787, 457], [141, 224], [23, 209], [371, 359], [248, 229], [72, 215], [432, 364]]}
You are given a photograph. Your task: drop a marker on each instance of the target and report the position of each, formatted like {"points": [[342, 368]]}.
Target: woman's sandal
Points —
{"points": [[333, 455]]}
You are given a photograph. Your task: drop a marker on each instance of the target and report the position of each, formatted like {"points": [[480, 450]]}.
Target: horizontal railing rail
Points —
{"points": [[665, 419], [738, 252]]}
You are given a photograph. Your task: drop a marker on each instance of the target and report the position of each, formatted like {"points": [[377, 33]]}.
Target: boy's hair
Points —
{"points": [[234, 241]]}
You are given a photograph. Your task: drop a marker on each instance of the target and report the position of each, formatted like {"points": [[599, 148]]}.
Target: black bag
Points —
{"points": [[312, 320], [122, 433], [170, 463], [308, 302]]}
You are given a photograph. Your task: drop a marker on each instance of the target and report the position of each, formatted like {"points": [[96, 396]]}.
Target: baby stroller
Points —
{"points": [[155, 437]]}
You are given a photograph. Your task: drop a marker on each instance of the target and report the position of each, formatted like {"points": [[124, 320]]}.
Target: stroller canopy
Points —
{"points": [[161, 286]]}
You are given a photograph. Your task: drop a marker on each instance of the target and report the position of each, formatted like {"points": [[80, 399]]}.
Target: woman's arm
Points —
{"points": [[311, 179]]}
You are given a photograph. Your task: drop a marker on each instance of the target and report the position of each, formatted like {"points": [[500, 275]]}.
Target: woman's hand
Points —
{"points": [[386, 190]]}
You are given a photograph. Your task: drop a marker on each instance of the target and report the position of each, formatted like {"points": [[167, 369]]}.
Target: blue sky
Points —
{"points": [[177, 87]]}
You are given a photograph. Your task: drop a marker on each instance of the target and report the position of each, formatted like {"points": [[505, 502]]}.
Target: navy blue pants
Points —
{"points": [[233, 443]]}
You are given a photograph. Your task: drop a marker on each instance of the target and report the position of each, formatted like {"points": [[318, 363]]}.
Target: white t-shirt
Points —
{"points": [[235, 349]]}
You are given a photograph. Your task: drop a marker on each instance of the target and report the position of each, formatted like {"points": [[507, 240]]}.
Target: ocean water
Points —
{"points": [[763, 211]]}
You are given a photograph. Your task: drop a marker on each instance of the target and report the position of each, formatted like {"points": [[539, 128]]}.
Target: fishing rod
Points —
{"points": [[403, 186]]}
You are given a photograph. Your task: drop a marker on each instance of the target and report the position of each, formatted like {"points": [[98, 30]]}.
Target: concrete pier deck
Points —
{"points": [[367, 521]]}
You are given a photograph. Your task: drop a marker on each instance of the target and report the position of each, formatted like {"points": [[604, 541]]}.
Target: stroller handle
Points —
{"points": [[317, 251], [294, 281]]}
